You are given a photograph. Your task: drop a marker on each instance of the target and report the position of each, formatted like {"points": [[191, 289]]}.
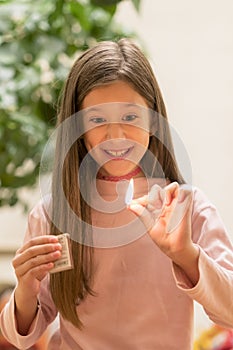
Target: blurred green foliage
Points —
{"points": [[39, 41]]}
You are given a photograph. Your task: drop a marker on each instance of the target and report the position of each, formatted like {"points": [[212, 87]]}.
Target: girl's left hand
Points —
{"points": [[166, 213]]}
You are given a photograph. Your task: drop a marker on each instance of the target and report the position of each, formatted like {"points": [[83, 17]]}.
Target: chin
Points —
{"points": [[118, 168]]}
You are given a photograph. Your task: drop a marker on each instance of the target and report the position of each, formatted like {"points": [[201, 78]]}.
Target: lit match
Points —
{"points": [[129, 192]]}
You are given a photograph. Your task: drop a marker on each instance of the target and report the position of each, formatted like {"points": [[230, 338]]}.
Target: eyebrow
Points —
{"points": [[133, 105], [100, 109], [92, 109]]}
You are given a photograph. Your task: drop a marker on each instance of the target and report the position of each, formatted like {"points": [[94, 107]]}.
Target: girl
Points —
{"points": [[136, 268]]}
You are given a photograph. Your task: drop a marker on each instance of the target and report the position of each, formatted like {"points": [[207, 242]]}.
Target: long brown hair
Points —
{"points": [[103, 64]]}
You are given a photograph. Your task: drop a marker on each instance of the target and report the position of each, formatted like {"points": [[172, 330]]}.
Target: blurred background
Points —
{"points": [[190, 46]]}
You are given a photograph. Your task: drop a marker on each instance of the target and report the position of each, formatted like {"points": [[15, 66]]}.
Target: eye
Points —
{"points": [[97, 120], [130, 117]]}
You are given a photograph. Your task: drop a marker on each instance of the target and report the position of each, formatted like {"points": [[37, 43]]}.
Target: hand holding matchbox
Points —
{"points": [[65, 262]]}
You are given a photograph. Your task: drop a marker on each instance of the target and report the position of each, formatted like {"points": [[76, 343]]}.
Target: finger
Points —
{"points": [[171, 192], [182, 209], [171, 197], [38, 241], [156, 198], [34, 251], [36, 262], [185, 190], [144, 215], [141, 200], [39, 272]]}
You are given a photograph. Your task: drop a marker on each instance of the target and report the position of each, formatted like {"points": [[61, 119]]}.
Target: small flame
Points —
{"points": [[129, 192]]}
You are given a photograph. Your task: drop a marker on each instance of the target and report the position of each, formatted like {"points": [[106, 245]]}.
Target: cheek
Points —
{"points": [[90, 140], [146, 139], [145, 142], [142, 144], [89, 143], [142, 137], [94, 137]]}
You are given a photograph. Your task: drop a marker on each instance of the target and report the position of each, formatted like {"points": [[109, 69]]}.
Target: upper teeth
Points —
{"points": [[117, 153]]}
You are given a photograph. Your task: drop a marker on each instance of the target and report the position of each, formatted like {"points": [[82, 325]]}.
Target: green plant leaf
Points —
{"points": [[81, 13], [136, 4], [39, 42]]}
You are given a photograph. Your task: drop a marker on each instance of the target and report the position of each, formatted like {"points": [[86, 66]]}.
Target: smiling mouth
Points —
{"points": [[116, 154]]}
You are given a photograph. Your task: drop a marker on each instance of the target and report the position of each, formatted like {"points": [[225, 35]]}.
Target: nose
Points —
{"points": [[115, 131]]}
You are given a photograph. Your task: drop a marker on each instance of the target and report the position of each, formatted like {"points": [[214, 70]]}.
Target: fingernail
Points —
{"points": [[57, 246], [57, 253], [53, 239]]}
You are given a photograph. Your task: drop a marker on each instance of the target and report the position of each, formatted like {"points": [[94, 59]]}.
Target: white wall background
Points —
{"points": [[190, 45]]}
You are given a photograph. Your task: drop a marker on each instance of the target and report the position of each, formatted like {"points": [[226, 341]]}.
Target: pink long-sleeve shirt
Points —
{"points": [[142, 300]]}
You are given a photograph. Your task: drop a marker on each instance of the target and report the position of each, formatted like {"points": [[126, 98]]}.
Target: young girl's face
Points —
{"points": [[117, 127]]}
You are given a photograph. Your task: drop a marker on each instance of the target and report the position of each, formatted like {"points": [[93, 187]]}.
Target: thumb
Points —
{"points": [[181, 211], [143, 214]]}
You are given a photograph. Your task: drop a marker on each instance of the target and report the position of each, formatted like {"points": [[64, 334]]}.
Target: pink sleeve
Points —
{"points": [[214, 290], [47, 312]]}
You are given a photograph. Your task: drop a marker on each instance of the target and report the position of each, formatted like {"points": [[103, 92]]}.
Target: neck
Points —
{"points": [[128, 176]]}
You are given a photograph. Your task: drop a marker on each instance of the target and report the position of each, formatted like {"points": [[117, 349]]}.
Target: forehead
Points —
{"points": [[118, 91], [114, 107]]}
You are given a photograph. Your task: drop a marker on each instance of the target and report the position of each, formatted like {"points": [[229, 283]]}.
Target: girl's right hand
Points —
{"points": [[32, 263]]}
